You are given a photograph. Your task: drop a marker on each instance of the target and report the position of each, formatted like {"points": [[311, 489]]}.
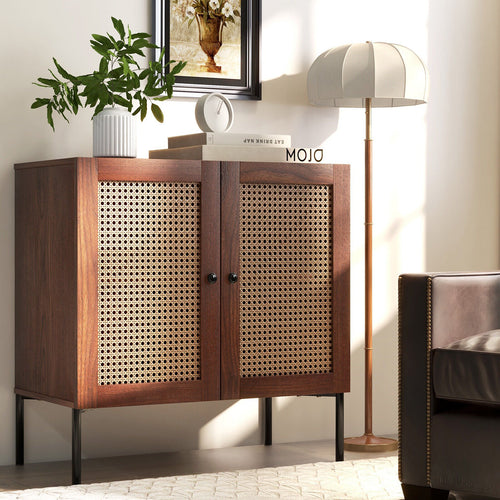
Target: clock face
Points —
{"points": [[214, 113]]}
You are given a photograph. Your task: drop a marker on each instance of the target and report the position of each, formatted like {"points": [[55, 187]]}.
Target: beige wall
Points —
{"points": [[435, 188]]}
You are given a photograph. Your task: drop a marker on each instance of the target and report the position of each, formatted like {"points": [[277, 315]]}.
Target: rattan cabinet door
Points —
{"points": [[158, 321], [285, 317]]}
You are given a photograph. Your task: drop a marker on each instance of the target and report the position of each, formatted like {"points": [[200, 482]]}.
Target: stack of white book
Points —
{"points": [[215, 146]]}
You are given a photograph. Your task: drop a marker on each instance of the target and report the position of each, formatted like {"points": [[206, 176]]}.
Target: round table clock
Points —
{"points": [[214, 113]]}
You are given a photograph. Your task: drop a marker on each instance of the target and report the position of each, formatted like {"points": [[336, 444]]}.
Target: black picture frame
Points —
{"points": [[248, 86]]}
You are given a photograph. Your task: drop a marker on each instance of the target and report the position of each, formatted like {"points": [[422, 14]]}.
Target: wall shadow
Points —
{"points": [[126, 431], [287, 96]]}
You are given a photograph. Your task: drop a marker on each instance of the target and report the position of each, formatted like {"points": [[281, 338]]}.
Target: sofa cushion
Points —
{"points": [[469, 369], [486, 342]]}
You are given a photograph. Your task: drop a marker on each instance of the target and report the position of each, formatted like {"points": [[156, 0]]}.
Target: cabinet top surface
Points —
{"points": [[139, 162]]}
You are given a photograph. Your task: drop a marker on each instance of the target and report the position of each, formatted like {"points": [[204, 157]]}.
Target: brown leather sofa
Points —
{"points": [[449, 384]]}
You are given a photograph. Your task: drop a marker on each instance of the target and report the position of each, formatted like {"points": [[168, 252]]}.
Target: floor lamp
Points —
{"points": [[368, 75]]}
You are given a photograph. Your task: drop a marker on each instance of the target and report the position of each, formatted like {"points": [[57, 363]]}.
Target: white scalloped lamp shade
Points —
{"points": [[390, 75], [115, 133]]}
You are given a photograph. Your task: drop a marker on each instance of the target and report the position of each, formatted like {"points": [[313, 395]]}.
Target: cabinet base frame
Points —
{"points": [[76, 432]]}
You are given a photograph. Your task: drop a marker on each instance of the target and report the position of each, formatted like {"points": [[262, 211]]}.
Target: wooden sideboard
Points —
{"points": [[160, 281]]}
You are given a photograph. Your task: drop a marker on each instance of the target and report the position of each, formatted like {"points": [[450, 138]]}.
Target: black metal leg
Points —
{"points": [[76, 459], [268, 422], [19, 430], [339, 427]]}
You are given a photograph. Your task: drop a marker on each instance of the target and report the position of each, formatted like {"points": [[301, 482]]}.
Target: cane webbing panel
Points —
{"points": [[286, 279], [149, 266]]}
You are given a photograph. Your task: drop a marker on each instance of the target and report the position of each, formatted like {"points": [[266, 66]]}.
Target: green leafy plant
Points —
{"points": [[120, 79]]}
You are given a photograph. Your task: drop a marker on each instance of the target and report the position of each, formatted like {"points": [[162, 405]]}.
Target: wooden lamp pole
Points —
{"points": [[368, 442]]}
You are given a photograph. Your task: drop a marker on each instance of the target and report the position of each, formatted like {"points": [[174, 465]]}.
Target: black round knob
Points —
{"points": [[212, 278], [233, 277]]}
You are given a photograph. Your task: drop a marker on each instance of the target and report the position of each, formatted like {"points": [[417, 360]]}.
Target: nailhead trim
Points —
{"points": [[400, 383], [428, 381]]}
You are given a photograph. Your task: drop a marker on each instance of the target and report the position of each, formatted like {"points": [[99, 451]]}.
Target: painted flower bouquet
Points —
{"points": [[211, 17], [209, 9]]}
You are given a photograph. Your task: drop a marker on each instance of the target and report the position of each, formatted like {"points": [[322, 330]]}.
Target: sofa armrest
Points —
{"points": [[434, 310], [412, 371]]}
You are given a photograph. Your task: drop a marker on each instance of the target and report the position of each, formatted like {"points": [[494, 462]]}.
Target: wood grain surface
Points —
{"points": [[46, 279]]}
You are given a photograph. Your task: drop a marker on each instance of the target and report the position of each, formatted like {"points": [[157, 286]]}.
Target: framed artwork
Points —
{"points": [[219, 39]]}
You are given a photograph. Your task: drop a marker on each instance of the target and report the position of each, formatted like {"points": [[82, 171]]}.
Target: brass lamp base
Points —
{"points": [[369, 442]]}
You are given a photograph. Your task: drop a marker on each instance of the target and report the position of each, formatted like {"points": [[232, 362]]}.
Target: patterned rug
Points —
{"points": [[374, 479]]}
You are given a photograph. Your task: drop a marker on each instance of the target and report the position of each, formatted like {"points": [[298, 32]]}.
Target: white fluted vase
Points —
{"points": [[115, 133]]}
